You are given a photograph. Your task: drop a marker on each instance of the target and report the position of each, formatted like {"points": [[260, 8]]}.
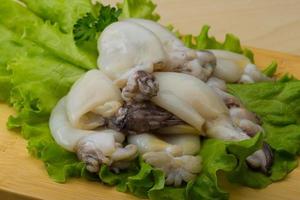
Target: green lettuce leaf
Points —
{"points": [[284, 163], [28, 26], [144, 180], [64, 13], [274, 113], [220, 156], [39, 61], [60, 164], [116, 179], [286, 78], [138, 9], [271, 69], [140, 179], [204, 41], [39, 71], [36, 91], [278, 106], [37, 77], [8, 49], [5, 86]]}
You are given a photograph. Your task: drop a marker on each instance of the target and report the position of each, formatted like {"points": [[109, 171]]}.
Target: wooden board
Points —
{"points": [[24, 177]]}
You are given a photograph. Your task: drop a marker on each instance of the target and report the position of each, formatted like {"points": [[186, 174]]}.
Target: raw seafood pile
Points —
{"points": [[153, 96], [46, 46]]}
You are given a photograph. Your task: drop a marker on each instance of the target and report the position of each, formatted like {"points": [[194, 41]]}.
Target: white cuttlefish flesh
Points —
{"points": [[175, 155], [76, 121]]}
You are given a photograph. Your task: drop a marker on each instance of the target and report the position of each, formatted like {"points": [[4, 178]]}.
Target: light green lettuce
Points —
{"points": [[278, 106], [271, 69], [220, 156], [37, 78], [28, 26], [204, 41], [38, 65], [39, 61], [142, 181], [8, 50], [63, 12], [138, 9]]}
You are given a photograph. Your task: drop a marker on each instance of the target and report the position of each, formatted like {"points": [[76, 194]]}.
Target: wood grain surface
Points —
{"points": [[24, 177], [267, 24]]}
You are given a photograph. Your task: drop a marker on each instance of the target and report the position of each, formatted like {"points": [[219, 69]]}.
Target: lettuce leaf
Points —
{"points": [[286, 78], [204, 41], [144, 181], [278, 106], [64, 13], [5, 86], [118, 179], [36, 70], [140, 179], [8, 49], [138, 9], [39, 61], [28, 26], [37, 77], [220, 156], [271, 69], [36, 91]]}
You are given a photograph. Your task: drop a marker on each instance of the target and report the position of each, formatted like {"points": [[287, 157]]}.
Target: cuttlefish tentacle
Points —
{"points": [[179, 58], [97, 149], [247, 124], [232, 68], [175, 156], [93, 147], [253, 75], [202, 98], [141, 86]]}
